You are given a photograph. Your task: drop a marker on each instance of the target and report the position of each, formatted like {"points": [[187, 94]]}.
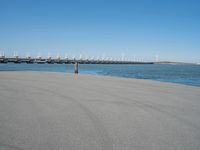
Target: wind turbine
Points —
{"points": [[98, 58], [15, 54], [58, 56], [2, 54], [80, 57], [28, 55], [39, 55], [66, 56], [49, 55], [134, 58], [74, 57], [157, 58], [122, 56]]}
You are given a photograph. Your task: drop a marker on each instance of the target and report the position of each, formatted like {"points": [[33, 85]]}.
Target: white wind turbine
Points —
{"points": [[28, 55], [39, 55], [49, 55], [80, 57], [2, 54], [66, 56], [58, 56], [122, 57], [157, 58], [15, 54]]}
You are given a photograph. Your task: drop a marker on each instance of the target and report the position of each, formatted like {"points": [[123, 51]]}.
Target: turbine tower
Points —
{"points": [[66, 56], [15, 54], [80, 57], [27, 55], [58, 56], [49, 55], [157, 58], [39, 55], [122, 57]]}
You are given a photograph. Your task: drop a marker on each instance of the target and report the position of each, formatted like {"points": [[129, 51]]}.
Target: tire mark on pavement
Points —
{"points": [[9, 147], [103, 137]]}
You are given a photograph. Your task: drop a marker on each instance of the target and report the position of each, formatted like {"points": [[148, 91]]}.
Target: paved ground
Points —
{"points": [[58, 111]]}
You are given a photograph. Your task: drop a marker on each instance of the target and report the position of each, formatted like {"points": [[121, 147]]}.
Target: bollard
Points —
{"points": [[76, 68]]}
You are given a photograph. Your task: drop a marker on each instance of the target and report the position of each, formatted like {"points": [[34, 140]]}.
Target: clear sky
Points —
{"points": [[141, 29]]}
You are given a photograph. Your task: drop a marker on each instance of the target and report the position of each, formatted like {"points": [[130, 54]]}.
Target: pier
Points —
{"points": [[49, 60]]}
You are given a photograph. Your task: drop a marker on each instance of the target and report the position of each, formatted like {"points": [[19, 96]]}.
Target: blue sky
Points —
{"points": [[141, 29]]}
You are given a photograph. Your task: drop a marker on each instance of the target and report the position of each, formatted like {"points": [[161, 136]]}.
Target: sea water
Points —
{"points": [[177, 73]]}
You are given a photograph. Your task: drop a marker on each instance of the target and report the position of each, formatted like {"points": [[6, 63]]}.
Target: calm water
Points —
{"points": [[184, 74]]}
